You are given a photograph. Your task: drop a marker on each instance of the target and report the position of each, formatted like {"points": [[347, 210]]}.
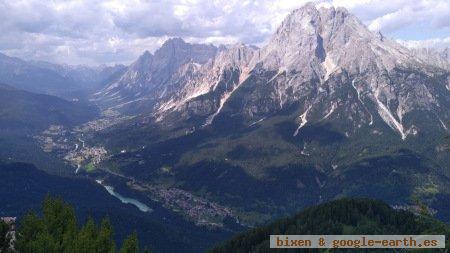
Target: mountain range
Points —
{"points": [[326, 108], [439, 57], [53, 79], [244, 134], [323, 62], [23, 110]]}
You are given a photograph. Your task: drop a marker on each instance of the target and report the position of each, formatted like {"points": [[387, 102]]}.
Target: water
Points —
{"points": [[126, 200], [78, 168]]}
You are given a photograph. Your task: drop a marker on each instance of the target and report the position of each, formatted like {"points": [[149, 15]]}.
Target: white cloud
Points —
{"points": [[432, 14], [429, 43], [107, 31]]}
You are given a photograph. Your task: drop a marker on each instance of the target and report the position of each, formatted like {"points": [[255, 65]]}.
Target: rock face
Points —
{"points": [[150, 77], [434, 56], [322, 63], [208, 87], [330, 62]]}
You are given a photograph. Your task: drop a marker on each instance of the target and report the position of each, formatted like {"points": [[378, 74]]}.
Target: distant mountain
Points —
{"points": [[25, 111], [53, 79], [86, 77], [339, 217], [27, 76], [439, 57], [147, 79], [24, 114]]}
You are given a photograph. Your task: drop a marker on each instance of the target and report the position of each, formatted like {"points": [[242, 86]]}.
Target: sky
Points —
{"points": [[96, 32]]}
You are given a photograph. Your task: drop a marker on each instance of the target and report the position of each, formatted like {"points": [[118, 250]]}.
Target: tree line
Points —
{"points": [[56, 231]]}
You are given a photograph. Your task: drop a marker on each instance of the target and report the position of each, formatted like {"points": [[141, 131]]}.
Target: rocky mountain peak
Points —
{"points": [[146, 54], [235, 55], [318, 41], [174, 41], [150, 76], [178, 51], [143, 62]]}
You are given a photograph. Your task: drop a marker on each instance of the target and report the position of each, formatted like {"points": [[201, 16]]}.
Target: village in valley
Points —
{"points": [[197, 209], [71, 146]]}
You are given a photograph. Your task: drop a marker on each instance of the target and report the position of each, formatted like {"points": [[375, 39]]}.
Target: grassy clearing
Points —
{"points": [[90, 167]]}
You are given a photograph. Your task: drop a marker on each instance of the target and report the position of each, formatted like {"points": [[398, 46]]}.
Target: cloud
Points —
{"points": [[431, 14], [439, 43], [110, 31]]}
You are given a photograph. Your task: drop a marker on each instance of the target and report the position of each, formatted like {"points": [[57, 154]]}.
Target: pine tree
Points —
{"points": [[43, 243], [131, 244], [105, 242], [87, 238], [60, 221], [29, 232], [57, 232]]}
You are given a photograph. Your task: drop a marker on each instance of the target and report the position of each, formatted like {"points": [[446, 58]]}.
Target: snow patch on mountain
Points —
{"points": [[387, 116], [303, 121], [333, 107], [329, 66], [358, 94], [443, 124]]}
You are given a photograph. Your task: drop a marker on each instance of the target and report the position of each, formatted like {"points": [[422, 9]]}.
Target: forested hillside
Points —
{"points": [[340, 217], [22, 110]]}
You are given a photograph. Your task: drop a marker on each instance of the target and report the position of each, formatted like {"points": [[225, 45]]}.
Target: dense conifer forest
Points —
{"points": [[339, 217], [55, 229]]}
